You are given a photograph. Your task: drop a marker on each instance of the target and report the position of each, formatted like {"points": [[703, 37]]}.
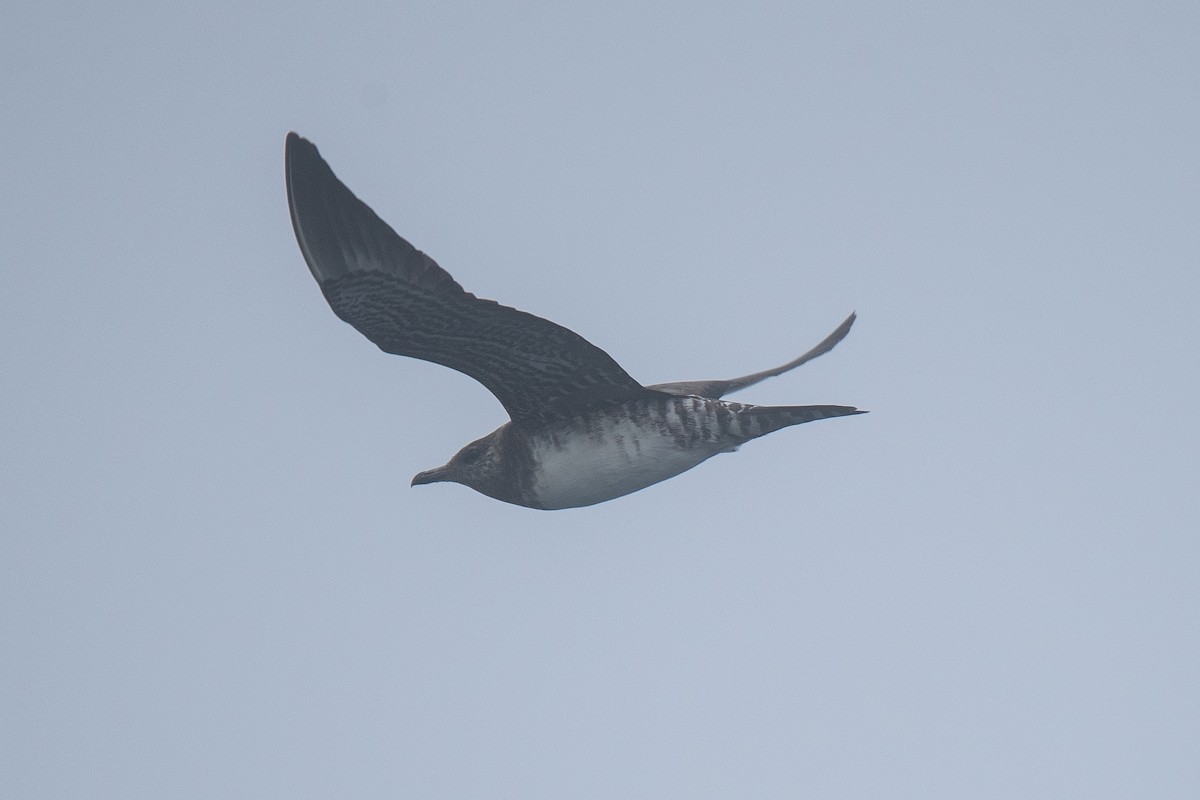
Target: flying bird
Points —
{"points": [[581, 430]]}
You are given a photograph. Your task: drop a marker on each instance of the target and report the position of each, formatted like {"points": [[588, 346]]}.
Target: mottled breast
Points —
{"points": [[628, 447]]}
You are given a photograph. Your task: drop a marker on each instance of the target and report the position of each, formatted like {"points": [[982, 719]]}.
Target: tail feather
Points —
{"points": [[761, 420]]}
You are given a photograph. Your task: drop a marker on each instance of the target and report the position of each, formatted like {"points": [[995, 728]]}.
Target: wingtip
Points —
{"points": [[294, 144]]}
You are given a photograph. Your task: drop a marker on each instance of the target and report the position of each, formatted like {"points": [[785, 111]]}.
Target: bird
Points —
{"points": [[581, 430]]}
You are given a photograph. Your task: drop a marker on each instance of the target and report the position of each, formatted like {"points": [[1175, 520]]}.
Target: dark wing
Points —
{"points": [[401, 300], [718, 389]]}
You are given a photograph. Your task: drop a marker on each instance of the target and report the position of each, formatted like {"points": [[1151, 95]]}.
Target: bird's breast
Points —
{"points": [[619, 450]]}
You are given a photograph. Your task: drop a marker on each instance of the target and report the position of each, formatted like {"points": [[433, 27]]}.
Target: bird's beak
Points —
{"points": [[431, 476]]}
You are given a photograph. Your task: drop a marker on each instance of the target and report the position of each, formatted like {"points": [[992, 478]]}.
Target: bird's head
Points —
{"points": [[478, 465]]}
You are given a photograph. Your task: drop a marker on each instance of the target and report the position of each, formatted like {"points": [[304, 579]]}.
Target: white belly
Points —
{"points": [[581, 464]]}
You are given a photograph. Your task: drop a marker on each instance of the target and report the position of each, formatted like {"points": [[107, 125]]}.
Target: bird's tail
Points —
{"points": [[760, 420]]}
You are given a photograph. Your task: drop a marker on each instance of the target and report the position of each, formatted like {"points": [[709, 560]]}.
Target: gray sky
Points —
{"points": [[216, 583]]}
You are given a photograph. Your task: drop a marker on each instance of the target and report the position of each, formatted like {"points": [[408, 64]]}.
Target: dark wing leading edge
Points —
{"points": [[401, 300], [718, 389]]}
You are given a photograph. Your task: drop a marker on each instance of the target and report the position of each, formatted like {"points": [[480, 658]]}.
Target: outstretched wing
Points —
{"points": [[718, 389], [401, 300]]}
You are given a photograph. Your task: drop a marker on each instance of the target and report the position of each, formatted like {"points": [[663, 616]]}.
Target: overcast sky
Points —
{"points": [[215, 581]]}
